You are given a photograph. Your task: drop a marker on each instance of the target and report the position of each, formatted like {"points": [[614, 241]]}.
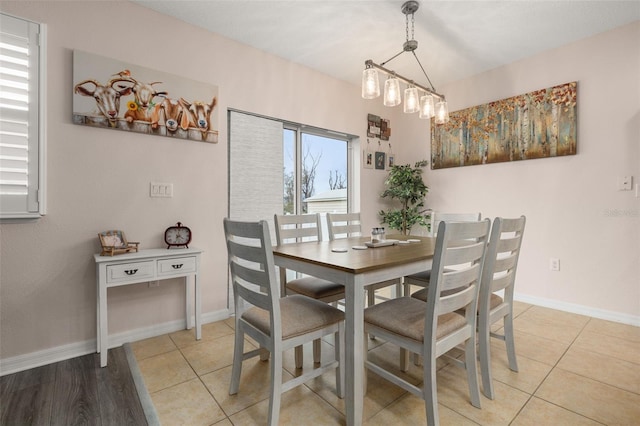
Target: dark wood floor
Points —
{"points": [[72, 392]]}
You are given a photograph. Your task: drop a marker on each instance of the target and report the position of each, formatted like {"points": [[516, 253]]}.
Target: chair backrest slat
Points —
{"points": [[437, 217], [342, 225], [293, 228], [252, 266], [460, 250], [501, 261]]}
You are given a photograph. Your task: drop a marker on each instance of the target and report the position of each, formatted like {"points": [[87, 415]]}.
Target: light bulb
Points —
{"points": [[442, 112], [411, 100], [426, 107], [392, 95], [370, 84]]}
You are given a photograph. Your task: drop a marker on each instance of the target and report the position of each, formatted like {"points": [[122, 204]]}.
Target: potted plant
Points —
{"points": [[405, 184]]}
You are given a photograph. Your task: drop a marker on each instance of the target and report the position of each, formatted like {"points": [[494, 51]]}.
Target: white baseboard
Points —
{"points": [[579, 309], [73, 350]]}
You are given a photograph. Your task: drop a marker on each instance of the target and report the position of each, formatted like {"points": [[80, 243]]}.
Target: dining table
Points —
{"points": [[352, 263]]}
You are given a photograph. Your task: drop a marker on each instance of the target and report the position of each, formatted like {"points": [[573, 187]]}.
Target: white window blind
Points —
{"points": [[21, 130]]}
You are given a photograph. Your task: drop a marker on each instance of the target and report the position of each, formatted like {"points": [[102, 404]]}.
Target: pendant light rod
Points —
{"points": [[370, 64]]}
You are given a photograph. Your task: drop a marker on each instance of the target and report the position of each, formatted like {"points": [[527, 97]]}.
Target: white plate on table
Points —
{"points": [[339, 250], [359, 247]]}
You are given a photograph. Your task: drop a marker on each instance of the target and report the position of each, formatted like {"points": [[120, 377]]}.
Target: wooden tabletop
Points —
{"points": [[358, 261]]}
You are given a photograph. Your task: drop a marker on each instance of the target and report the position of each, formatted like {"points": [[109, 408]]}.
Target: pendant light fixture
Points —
{"points": [[417, 98], [411, 100], [392, 92], [427, 110]]}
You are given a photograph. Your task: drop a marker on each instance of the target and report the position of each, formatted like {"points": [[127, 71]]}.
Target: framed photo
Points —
{"points": [[391, 160], [115, 242], [380, 159], [367, 159], [117, 95]]}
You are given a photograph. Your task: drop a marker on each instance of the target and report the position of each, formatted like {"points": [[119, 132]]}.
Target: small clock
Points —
{"points": [[177, 236]]}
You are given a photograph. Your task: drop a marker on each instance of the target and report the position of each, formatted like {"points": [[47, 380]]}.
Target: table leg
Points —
{"points": [[103, 333], [354, 335], [198, 308], [189, 299]]}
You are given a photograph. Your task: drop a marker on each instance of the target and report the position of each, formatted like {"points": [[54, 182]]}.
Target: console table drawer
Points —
{"points": [[178, 265], [130, 271]]}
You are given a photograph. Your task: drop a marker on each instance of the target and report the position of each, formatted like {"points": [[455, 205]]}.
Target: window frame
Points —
{"points": [[37, 144], [299, 130]]}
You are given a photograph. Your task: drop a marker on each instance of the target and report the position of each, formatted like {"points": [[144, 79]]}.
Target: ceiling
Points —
{"points": [[456, 39]]}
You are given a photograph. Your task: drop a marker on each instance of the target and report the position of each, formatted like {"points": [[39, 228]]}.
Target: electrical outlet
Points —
{"points": [[554, 264], [625, 183], [154, 284]]}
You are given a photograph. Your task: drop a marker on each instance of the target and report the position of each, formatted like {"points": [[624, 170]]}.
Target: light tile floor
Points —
{"points": [[574, 370]]}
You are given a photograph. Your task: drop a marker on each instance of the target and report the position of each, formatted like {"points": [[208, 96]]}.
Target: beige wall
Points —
{"points": [[47, 288], [574, 210]]}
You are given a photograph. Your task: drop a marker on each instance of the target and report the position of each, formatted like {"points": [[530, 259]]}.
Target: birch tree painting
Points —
{"points": [[538, 124]]}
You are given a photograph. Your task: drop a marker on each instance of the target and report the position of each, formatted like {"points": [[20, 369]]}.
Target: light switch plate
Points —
{"points": [[160, 190]]}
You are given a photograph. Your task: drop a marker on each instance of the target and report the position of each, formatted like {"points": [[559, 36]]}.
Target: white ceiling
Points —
{"points": [[456, 39]]}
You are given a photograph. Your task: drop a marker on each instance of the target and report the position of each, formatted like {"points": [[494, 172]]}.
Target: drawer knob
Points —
{"points": [[177, 266], [130, 271]]}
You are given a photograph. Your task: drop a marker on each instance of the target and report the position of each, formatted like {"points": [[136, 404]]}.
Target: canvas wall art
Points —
{"points": [[112, 94], [538, 124]]}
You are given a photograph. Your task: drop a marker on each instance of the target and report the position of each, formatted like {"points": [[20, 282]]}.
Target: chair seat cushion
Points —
{"points": [[300, 315], [315, 288], [421, 294], [405, 316], [495, 301], [421, 276]]}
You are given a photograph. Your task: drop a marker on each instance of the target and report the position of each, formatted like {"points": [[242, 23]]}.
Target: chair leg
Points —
{"points": [[472, 370], [371, 300], [484, 337], [407, 289], [317, 356], [276, 388], [509, 340], [297, 355], [365, 370], [417, 360], [399, 287], [340, 357], [238, 350], [430, 390], [404, 360], [264, 354], [371, 297]]}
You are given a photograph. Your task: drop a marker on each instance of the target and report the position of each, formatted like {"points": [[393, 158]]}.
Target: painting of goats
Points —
{"points": [[539, 124], [116, 95]]}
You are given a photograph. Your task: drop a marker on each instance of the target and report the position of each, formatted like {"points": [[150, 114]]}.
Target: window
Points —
{"points": [[315, 171], [21, 119]]}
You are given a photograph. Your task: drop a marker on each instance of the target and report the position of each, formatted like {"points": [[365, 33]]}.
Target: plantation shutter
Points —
{"points": [[19, 118]]}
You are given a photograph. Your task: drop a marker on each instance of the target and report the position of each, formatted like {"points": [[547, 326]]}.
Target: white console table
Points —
{"points": [[143, 266]]}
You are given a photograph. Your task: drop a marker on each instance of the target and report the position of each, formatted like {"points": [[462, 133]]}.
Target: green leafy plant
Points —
{"points": [[405, 185]]}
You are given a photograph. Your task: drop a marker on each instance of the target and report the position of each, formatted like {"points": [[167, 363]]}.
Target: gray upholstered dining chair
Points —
{"points": [[498, 274], [433, 328], [343, 225], [421, 279], [276, 324], [298, 228]]}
